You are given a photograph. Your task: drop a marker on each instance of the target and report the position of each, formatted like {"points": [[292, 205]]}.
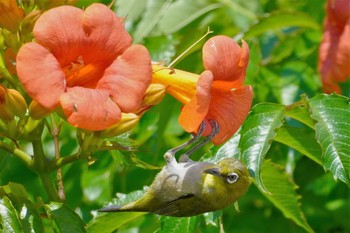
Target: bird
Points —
{"points": [[189, 188]]}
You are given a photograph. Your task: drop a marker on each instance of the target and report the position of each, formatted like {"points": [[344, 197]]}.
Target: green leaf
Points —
{"points": [[109, 222], [131, 9], [152, 15], [181, 13], [302, 140], [65, 219], [283, 194], [279, 20], [332, 132], [257, 132], [8, 216], [96, 185], [229, 150], [300, 112], [178, 225], [30, 219], [106, 223]]}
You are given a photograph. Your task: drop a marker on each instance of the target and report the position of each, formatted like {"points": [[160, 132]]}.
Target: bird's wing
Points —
{"points": [[174, 207]]}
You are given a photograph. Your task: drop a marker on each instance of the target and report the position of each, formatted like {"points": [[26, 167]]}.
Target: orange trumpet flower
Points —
{"points": [[217, 94], [83, 62]]}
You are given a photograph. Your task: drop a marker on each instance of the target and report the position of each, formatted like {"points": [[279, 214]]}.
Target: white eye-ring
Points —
{"points": [[232, 177]]}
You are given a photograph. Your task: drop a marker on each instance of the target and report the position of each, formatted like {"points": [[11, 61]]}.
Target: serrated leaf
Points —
{"points": [[229, 150], [178, 225], [65, 219], [302, 140], [279, 20], [283, 194], [300, 112], [181, 13], [8, 216], [332, 132], [258, 131]]}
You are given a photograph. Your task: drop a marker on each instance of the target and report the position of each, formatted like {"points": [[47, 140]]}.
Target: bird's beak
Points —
{"points": [[215, 171]]}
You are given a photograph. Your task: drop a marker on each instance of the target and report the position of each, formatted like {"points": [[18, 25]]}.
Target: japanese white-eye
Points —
{"points": [[190, 188]]}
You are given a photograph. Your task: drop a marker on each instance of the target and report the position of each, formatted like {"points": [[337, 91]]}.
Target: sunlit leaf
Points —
{"points": [[302, 140], [332, 131], [109, 222], [282, 193], [106, 223], [9, 220], [279, 20], [178, 225], [65, 219], [257, 132], [300, 112], [229, 150]]}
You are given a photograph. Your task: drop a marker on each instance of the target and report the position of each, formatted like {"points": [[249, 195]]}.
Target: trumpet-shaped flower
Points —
{"points": [[334, 53], [83, 62], [217, 94]]}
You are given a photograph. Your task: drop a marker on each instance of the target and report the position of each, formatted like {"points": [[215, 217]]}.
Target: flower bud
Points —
{"points": [[15, 102], [154, 94], [37, 111], [127, 123], [10, 15], [29, 21], [5, 113]]}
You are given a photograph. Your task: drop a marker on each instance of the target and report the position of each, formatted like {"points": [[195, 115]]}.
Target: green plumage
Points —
{"points": [[191, 188]]}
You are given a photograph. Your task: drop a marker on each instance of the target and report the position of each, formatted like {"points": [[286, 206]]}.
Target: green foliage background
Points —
{"points": [[286, 140]]}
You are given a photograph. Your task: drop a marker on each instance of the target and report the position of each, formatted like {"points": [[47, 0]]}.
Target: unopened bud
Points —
{"points": [[127, 123], [10, 15], [37, 111], [154, 94], [5, 112], [16, 103], [29, 21]]}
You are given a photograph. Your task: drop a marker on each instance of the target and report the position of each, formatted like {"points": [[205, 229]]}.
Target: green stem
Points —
{"points": [[56, 164], [41, 169], [26, 158]]}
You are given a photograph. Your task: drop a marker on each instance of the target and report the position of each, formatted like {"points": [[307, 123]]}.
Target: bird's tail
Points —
{"points": [[131, 207]]}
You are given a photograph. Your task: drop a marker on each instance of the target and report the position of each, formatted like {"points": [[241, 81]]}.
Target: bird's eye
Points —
{"points": [[232, 177]]}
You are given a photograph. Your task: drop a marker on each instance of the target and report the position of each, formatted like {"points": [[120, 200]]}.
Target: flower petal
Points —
{"points": [[226, 59], [40, 74], [343, 55], [229, 109], [107, 44], [70, 33], [60, 31], [128, 77], [89, 109], [194, 112]]}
